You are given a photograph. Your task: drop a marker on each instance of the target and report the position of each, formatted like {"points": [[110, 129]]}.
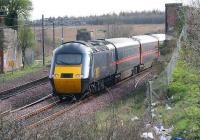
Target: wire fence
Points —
{"points": [[157, 88]]}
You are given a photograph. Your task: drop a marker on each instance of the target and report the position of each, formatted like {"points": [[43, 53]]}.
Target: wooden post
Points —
{"points": [[54, 46]]}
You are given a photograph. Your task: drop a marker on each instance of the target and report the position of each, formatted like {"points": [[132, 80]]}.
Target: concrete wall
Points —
{"points": [[12, 53]]}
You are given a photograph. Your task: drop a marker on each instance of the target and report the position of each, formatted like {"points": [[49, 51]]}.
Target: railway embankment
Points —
{"points": [[183, 110]]}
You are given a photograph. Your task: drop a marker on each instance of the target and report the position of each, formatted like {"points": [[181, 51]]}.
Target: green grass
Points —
{"points": [[185, 112], [19, 73]]}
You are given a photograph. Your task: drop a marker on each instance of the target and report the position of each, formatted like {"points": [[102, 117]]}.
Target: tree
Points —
{"points": [[26, 40], [180, 22], [14, 9]]}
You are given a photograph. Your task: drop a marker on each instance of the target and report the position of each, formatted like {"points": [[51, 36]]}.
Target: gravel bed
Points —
{"points": [[24, 79], [30, 109], [25, 98], [91, 107], [100, 102]]}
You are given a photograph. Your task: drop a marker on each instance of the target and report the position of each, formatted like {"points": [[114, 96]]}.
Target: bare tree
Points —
{"points": [[26, 40]]}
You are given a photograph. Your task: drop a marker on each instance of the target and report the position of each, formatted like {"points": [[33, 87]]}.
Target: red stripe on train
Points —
{"points": [[126, 59], [150, 52]]}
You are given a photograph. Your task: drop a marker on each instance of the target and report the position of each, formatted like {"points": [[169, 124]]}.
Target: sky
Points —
{"points": [[55, 8]]}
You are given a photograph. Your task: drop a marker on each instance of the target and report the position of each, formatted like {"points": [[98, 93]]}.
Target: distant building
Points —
{"points": [[10, 53], [171, 15]]}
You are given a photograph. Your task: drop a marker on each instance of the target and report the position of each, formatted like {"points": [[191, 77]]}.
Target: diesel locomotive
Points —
{"points": [[79, 67]]}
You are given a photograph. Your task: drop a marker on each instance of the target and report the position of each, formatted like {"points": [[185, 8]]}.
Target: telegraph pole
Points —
{"points": [[54, 35], [62, 33], [43, 54]]}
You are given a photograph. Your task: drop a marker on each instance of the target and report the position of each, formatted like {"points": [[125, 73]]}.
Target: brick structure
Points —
{"points": [[171, 13]]}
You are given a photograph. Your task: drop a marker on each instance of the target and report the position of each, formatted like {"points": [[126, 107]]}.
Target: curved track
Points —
{"points": [[137, 79], [57, 108], [26, 106], [60, 112]]}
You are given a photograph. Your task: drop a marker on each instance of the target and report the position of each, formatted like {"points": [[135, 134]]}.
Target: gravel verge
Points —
{"points": [[24, 79]]}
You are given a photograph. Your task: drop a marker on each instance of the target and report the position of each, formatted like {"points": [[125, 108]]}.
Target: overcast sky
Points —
{"points": [[55, 8]]}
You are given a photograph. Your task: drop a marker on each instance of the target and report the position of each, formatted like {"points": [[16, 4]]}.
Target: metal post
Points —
{"points": [[54, 35], [43, 55]]}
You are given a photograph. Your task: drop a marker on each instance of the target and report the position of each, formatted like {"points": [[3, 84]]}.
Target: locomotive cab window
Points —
{"points": [[68, 59]]}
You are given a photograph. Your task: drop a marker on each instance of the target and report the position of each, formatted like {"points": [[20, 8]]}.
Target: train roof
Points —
{"points": [[145, 38], [121, 42], [107, 44], [160, 37], [151, 38]]}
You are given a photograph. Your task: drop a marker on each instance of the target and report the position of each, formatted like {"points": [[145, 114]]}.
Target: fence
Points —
{"points": [[157, 88]]}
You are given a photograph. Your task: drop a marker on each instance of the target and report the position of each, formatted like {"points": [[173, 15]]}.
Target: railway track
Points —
{"points": [[39, 110], [62, 109], [53, 116], [20, 89], [141, 76], [26, 106]]}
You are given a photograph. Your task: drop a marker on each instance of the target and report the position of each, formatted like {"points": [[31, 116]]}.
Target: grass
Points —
{"points": [[185, 101], [20, 73]]}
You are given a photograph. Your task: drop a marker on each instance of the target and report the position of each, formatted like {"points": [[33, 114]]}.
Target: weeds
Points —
{"points": [[184, 95]]}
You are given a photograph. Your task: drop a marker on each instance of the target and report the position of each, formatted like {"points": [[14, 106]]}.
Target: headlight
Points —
{"points": [[78, 75], [56, 75]]}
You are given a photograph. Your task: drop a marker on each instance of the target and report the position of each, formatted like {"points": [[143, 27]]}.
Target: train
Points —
{"points": [[80, 67]]}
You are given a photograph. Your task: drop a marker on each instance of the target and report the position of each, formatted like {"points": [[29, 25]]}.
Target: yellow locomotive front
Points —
{"points": [[70, 68], [67, 73]]}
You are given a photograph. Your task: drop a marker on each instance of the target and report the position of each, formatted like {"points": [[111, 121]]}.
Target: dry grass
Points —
{"points": [[70, 32]]}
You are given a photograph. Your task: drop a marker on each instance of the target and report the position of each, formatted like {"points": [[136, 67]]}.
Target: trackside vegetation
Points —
{"points": [[20, 73], [184, 93]]}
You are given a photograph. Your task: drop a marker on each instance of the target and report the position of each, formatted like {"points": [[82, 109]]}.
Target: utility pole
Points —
{"points": [[54, 35], [62, 33], [43, 55]]}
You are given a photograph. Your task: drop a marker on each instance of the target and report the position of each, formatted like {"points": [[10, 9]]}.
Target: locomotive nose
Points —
{"points": [[67, 79], [70, 68]]}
